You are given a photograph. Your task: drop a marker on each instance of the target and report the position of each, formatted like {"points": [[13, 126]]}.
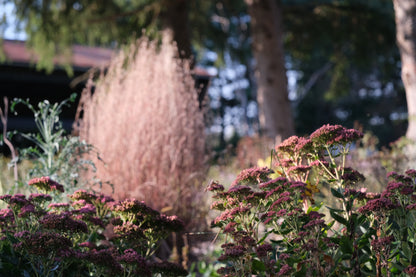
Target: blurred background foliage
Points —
{"points": [[342, 61]]}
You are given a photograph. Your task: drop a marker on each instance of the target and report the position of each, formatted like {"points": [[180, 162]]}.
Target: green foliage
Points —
{"points": [[55, 154], [274, 225]]}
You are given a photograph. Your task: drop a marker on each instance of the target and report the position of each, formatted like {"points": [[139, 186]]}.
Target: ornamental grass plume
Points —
{"points": [[144, 118]]}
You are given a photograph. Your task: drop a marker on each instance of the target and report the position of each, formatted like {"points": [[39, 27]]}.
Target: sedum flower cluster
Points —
{"points": [[274, 226], [91, 235]]}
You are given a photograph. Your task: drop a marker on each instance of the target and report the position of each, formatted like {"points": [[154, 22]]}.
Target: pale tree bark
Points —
{"points": [[275, 114], [405, 13]]}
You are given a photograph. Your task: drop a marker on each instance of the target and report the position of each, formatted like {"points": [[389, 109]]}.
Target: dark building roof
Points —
{"points": [[83, 57]]}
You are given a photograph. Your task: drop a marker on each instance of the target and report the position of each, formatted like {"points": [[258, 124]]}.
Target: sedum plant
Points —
{"points": [[90, 235], [274, 227]]}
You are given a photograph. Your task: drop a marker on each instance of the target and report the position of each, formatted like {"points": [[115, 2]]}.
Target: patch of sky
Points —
{"points": [[10, 28]]}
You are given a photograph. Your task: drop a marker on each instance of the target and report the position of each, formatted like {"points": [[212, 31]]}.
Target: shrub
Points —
{"points": [[90, 235], [144, 118], [275, 228]]}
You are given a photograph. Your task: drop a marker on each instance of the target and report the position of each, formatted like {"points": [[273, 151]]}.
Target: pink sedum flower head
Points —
{"points": [[46, 184], [295, 144], [335, 134], [255, 175]]}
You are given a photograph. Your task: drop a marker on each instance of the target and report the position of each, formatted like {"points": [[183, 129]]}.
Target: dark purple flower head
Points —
{"points": [[313, 223], [6, 198], [410, 270], [378, 205], [18, 201], [22, 234], [392, 174], [87, 209], [241, 209], [255, 197], [215, 186], [94, 220], [381, 244], [274, 191], [43, 243], [280, 201], [132, 257], [392, 186], [63, 222], [165, 268], [26, 210], [171, 223], [284, 270], [407, 190], [335, 134], [252, 175], [315, 215], [264, 249], [298, 185], [244, 190], [107, 258], [246, 240], [230, 227], [46, 184], [411, 173], [40, 197], [284, 256], [281, 213], [272, 184], [233, 252], [226, 271], [352, 176]]}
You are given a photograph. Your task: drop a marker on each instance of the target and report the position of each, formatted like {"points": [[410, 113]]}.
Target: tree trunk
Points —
{"points": [[405, 13], [175, 17], [275, 114]]}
